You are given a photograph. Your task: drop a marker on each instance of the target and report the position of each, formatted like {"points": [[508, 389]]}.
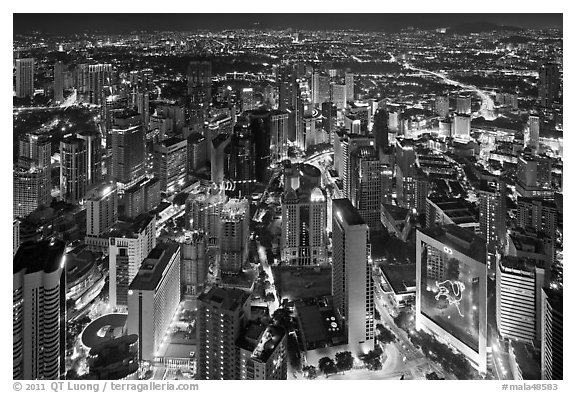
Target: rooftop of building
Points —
{"points": [[79, 262], [261, 340], [397, 213], [229, 299], [196, 137], [103, 329], [457, 209], [174, 140], [519, 263], [344, 210], [153, 267], [145, 181], [130, 229], [401, 277], [220, 139], [461, 239], [235, 209], [45, 255], [555, 298]]}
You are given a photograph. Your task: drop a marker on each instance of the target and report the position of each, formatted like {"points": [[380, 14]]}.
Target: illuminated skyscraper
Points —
{"points": [[222, 315], [128, 152], [93, 157], [451, 289], [153, 298], [352, 285], [193, 265], [349, 81], [58, 82], [279, 135], [101, 209], [73, 169], [234, 234], [518, 291], [129, 244], [442, 105], [25, 77], [39, 310], [463, 105], [98, 77], [366, 185], [532, 136], [338, 95], [492, 207], [170, 163], [303, 238], [263, 352], [248, 99]]}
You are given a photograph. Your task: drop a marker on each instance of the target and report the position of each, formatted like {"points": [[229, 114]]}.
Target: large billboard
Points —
{"points": [[450, 294]]}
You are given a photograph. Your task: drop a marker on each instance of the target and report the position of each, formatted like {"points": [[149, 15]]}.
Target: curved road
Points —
{"points": [[487, 108]]}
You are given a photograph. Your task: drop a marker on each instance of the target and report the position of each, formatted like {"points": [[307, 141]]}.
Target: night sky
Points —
{"points": [[113, 23]]}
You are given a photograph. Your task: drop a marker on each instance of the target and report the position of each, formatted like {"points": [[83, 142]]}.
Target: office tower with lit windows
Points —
{"points": [[442, 105], [461, 126], [248, 99], [128, 150], [552, 334], [73, 169], [320, 88], [221, 316], [348, 144], [93, 144], [518, 298], [39, 310], [405, 173], [534, 177], [59, 82], [278, 135], [101, 209], [129, 243], [492, 209], [263, 352], [366, 185], [153, 298], [25, 78], [99, 76], [143, 107], [338, 95], [203, 214], [451, 289], [30, 187], [170, 163], [32, 179], [234, 234], [303, 238], [463, 105], [548, 84], [538, 214], [141, 197], [287, 88], [193, 264], [352, 284], [197, 146], [349, 82], [532, 135]]}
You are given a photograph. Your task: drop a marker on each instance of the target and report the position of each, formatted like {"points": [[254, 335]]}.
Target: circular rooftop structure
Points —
{"points": [[105, 328]]}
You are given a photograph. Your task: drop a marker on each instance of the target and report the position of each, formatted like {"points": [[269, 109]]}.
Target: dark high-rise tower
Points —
{"points": [[73, 169], [39, 307], [260, 132], [58, 81], [199, 89], [548, 84]]}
